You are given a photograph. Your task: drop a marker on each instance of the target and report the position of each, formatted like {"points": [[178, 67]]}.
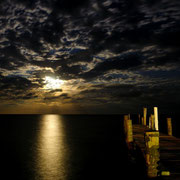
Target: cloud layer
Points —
{"points": [[114, 55]]}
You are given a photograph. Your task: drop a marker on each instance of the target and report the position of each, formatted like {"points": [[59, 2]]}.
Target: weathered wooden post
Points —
{"points": [[152, 152], [129, 116], [129, 131], [142, 120], [126, 117], [169, 126], [144, 116], [139, 118], [156, 118], [151, 122]]}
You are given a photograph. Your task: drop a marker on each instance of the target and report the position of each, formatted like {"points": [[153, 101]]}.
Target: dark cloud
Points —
{"points": [[63, 96], [11, 58], [71, 72], [132, 60], [81, 56], [16, 81], [69, 6], [14, 87], [112, 92], [170, 37]]}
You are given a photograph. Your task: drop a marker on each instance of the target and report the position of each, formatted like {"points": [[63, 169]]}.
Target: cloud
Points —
{"points": [[119, 63], [15, 87], [106, 42], [63, 96], [112, 92]]}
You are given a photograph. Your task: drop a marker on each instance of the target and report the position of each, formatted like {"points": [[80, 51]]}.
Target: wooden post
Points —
{"points": [[152, 152], [129, 116], [156, 118], [152, 122], [144, 115], [126, 117], [169, 126], [129, 131], [139, 118], [142, 120]]}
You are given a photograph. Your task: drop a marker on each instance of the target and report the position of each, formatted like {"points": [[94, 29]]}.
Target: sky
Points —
{"points": [[89, 56]]}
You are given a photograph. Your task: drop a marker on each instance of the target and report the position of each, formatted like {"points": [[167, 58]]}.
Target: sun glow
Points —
{"points": [[52, 83]]}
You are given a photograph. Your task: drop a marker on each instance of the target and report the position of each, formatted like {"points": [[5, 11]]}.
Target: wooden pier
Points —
{"points": [[169, 148], [161, 152]]}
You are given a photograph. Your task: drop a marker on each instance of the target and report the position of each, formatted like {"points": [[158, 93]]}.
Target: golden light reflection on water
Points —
{"points": [[51, 149]]}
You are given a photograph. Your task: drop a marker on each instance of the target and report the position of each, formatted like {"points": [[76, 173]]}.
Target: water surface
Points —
{"points": [[55, 147]]}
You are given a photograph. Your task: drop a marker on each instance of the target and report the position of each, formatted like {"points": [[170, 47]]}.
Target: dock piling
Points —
{"points": [[156, 118], [151, 122], [139, 118], [144, 116], [126, 117], [128, 129], [142, 120], [169, 126], [129, 132], [129, 116]]}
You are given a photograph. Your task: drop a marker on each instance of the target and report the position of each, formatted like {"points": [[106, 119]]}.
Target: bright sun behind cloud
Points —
{"points": [[52, 83]]}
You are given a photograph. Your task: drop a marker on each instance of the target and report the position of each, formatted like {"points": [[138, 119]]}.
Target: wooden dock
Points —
{"points": [[169, 151]]}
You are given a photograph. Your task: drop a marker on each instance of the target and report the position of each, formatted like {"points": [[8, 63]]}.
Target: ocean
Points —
{"points": [[65, 147]]}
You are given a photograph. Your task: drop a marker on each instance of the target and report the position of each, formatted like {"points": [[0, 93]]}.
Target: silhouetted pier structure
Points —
{"points": [[161, 151]]}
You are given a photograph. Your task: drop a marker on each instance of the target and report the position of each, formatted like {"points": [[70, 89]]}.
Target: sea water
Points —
{"points": [[65, 147]]}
